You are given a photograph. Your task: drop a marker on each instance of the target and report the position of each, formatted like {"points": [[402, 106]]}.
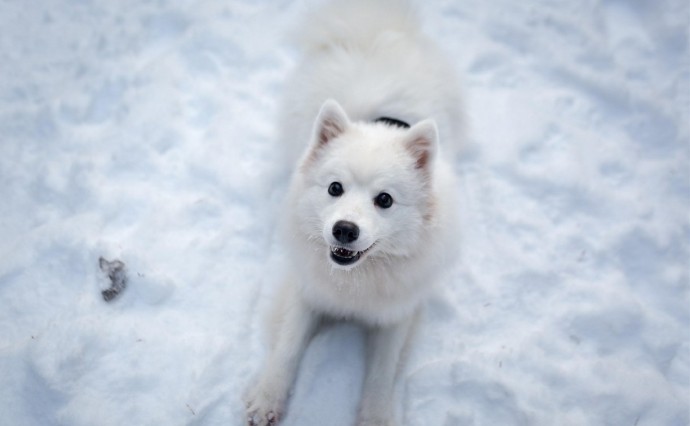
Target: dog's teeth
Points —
{"points": [[343, 252]]}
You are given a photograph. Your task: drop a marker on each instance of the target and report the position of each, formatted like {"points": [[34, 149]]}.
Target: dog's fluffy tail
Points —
{"points": [[354, 23]]}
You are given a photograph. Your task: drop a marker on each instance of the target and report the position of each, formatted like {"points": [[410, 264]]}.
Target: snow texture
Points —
{"points": [[144, 131]]}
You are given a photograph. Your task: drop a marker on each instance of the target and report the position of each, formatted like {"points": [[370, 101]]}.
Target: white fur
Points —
{"points": [[363, 60], [370, 56]]}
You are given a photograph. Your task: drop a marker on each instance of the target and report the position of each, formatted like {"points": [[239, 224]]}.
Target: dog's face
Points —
{"points": [[366, 192]]}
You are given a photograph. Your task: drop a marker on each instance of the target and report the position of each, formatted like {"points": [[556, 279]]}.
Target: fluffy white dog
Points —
{"points": [[370, 216]]}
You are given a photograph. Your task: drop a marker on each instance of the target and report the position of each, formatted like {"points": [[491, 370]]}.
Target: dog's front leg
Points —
{"points": [[385, 354], [266, 400]]}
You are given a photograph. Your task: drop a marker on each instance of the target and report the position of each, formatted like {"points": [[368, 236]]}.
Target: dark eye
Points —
{"points": [[383, 200], [335, 189]]}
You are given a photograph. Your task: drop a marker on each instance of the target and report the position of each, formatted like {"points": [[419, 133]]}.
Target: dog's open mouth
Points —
{"points": [[343, 256]]}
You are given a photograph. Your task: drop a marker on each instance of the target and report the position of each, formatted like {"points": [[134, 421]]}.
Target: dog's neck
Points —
{"points": [[392, 122]]}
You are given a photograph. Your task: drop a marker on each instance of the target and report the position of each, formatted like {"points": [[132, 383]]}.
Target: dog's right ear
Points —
{"points": [[331, 122]]}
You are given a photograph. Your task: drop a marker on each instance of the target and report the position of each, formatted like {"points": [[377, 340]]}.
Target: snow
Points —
{"points": [[143, 131]]}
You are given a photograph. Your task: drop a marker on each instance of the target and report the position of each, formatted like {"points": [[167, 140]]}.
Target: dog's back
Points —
{"points": [[372, 58]]}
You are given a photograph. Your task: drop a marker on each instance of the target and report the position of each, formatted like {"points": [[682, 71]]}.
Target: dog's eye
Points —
{"points": [[383, 200], [335, 189]]}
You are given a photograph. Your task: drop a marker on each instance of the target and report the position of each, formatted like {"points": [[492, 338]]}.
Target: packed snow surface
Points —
{"points": [[144, 131]]}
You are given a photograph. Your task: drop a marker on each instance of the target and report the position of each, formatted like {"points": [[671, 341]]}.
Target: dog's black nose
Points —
{"points": [[345, 232]]}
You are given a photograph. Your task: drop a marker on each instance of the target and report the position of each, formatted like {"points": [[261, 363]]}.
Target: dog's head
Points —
{"points": [[366, 188]]}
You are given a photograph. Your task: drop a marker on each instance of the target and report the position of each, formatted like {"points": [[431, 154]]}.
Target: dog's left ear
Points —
{"points": [[422, 142]]}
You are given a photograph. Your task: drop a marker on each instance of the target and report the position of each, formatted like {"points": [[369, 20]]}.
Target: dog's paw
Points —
{"points": [[264, 408], [259, 418]]}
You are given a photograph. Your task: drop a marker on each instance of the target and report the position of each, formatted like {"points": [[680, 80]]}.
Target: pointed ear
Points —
{"points": [[331, 122], [422, 142]]}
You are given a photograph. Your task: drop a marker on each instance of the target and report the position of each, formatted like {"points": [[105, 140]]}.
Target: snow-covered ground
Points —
{"points": [[143, 131]]}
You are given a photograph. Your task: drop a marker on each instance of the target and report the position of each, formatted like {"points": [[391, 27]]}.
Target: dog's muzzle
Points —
{"points": [[345, 233]]}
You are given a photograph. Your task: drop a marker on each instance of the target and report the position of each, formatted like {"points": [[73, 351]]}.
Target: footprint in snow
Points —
{"points": [[118, 278]]}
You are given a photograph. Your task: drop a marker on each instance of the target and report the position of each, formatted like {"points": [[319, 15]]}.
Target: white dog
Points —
{"points": [[370, 216]]}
